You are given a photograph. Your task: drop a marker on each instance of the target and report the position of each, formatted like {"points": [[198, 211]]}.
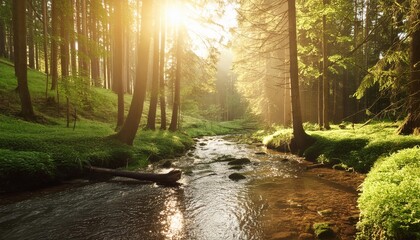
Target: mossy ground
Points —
{"points": [[389, 202], [354, 146]]}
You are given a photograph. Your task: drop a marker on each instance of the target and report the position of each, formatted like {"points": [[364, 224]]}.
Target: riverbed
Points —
{"points": [[278, 199]]}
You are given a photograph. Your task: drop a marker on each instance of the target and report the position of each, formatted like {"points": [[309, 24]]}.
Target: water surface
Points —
{"points": [[277, 199]]}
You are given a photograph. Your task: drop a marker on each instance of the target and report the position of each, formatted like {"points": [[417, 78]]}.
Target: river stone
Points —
{"points": [[203, 144], [315, 165], [166, 164], [282, 236], [240, 161], [306, 236], [353, 218], [325, 212], [260, 153], [236, 176], [225, 158], [154, 158], [237, 167]]}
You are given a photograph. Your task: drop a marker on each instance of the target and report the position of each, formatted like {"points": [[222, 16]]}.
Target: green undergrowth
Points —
{"points": [[390, 203], [87, 102], [356, 147], [47, 153], [37, 153], [196, 127]]}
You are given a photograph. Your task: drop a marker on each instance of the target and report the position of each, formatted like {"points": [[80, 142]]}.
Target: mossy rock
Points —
{"points": [[225, 158], [236, 176], [323, 230], [240, 161]]}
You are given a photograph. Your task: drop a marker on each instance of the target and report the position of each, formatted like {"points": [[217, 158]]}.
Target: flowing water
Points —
{"points": [[277, 200]]}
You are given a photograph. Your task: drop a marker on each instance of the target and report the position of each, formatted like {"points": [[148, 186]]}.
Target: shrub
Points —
{"points": [[390, 203]]}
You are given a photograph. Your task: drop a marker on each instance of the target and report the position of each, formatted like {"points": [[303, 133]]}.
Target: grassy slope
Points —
{"points": [[33, 154]]}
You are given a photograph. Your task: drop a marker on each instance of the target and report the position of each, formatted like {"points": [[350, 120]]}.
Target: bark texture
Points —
{"points": [[19, 39], [129, 130], [300, 140]]}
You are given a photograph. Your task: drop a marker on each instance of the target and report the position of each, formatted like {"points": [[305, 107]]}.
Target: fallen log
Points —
{"points": [[163, 178]]}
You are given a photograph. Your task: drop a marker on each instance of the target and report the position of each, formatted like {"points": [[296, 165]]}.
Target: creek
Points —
{"points": [[278, 199]]}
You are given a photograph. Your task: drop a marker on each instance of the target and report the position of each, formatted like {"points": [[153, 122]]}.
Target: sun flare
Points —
{"points": [[204, 25], [175, 14]]}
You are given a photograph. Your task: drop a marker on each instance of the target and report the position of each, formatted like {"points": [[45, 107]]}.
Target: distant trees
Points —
{"points": [[356, 58], [261, 59], [2, 29]]}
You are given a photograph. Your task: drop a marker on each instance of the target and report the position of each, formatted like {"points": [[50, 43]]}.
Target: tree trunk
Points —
{"points": [[83, 40], [64, 34], [54, 44], [19, 35], [130, 127], [117, 66], [177, 90], [72, 39], [11, 45], [162, 100], [127, 40], [411, 124], [31, 49], [325, 77], [2, 35], [320, 100], [300, 139], [168, 178], [94, 43], [36, 55], [151, 118], [45, 42]]}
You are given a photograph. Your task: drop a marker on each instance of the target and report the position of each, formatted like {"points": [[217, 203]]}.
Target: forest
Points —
{"points": [[302, 117]]}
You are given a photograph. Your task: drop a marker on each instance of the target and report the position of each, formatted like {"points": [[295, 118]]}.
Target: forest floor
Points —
{"points": [[52, 148]]}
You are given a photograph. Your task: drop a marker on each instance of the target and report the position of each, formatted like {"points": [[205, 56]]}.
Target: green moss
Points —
{"points": [[354, 146], [390, 203], [323, 230]]}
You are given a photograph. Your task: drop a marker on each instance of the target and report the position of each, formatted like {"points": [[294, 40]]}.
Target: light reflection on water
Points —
{"points": [[172, 219]]}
